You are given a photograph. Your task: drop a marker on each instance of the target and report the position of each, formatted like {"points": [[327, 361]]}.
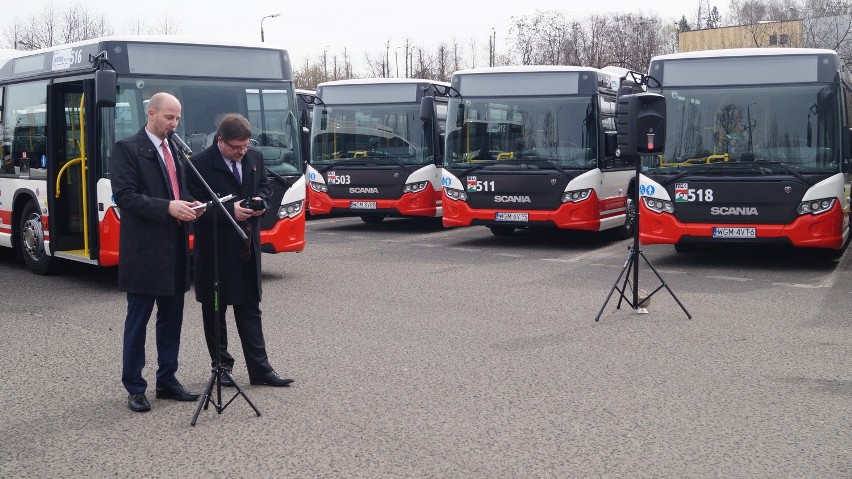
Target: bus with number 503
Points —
{"points": [[535, 146], [55, 194], [376, 148], [757, 147]]}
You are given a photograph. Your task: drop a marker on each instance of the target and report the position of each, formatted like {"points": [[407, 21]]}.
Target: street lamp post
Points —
{"points": [[261, 24], [493, 47]]}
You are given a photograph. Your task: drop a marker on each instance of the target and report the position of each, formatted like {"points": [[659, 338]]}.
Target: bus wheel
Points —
{"points": [[626, 231], [372, 218], [31, 241], [502, 230]]}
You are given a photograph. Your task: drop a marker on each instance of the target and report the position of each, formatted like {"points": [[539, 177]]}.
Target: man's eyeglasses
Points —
{"points": [[237, 147]]}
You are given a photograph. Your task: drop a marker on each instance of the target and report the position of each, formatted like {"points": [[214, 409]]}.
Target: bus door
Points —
{"points": [[67, 161]]}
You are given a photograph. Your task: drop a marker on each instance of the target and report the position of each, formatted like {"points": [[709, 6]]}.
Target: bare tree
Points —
{"points": [[166, 25], [52, 26]]}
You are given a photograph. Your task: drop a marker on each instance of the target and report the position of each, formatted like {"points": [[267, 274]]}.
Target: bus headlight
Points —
{"points": [[659, 206], [815, 207], [455, 194], [319, 187], [415, 187], [290, 209], [576, 195]]}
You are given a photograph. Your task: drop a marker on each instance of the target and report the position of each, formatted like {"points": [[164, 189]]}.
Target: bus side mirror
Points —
{"points": [[427, 109], [610, 143], [106, 84], [641, 123], [305, 139]]}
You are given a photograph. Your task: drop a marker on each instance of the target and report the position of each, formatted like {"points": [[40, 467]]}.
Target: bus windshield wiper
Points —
{"points": [[690, 172], [788, 169], [477, 167]]}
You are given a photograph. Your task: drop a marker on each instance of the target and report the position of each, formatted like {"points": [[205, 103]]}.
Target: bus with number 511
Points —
{"points": [[535, 146]]}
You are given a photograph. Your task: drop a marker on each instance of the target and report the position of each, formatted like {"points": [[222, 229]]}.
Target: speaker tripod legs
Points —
{"points": [[632, 264]]}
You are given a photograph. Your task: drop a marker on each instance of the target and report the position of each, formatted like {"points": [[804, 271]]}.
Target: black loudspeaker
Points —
{"points": [[640, 123]]}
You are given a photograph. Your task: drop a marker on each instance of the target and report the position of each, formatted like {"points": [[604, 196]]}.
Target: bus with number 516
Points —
{"points": [[55, 194]]}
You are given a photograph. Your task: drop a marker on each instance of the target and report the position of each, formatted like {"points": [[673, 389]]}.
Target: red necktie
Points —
{"points": [[170, 166]]}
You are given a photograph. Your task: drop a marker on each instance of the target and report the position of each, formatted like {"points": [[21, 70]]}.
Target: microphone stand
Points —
{"points": [[218, 371]]}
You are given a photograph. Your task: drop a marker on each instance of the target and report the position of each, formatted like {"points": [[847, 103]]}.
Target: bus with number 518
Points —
{"points": [[757, 147]]}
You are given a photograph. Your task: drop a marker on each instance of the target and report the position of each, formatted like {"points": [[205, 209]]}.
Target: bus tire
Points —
{"points": [[372, 218], [31, 241], [502, 230], [626, 230]]}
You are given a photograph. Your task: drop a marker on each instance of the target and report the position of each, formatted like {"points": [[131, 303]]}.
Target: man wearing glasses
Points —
{"points": [[231, 166]]}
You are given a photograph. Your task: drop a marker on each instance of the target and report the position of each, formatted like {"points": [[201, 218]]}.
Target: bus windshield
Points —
{"points": [[370, 133], [777, 129], [270, 107], [542, 131]]}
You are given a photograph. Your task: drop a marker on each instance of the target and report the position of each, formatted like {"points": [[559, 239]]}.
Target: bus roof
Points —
{"points": [[526, 69], [381, 81], [743, 52], [9, 55], [534, 80]]}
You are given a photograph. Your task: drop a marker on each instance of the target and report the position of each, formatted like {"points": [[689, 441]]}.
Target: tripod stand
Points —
{"points": [[632, 265], [218, 370]]}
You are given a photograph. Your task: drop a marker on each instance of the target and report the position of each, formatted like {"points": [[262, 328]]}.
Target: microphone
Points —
{"points": [[179, 142]]}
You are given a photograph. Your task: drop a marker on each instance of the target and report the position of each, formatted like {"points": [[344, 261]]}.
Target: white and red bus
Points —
{"points": [[756, 150], [55, 193], [534, 146], [376, 148]]}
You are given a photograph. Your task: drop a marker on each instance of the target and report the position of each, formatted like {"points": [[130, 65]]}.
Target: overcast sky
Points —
{"points": [[362, 27]]}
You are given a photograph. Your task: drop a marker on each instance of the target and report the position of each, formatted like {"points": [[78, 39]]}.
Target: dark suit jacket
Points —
{"points": [[239, 281], [150, 241]]}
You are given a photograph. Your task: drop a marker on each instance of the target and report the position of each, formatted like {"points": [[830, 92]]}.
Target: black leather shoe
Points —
{"points": [[177, 392], [271, 379], [226, 381], [138, 402]]}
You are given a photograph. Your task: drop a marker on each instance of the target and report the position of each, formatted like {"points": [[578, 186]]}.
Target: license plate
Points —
{"points": [[735, 232], [362, 205], [524, 217]]}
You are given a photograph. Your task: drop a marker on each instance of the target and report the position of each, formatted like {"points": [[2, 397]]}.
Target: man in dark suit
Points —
{"points": [[230, 166], [148, 187]]}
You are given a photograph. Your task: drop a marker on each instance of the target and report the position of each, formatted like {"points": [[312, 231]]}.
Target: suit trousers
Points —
{"points": [[250, 329], [169, 322]]}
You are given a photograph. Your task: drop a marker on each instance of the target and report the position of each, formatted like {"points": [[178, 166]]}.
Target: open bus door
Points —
{"points": [[72, 179]]}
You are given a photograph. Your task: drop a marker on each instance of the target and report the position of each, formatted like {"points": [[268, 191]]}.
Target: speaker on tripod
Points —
{"points": [[641, 126]]}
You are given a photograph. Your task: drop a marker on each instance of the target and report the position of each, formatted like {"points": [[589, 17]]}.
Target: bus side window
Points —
{"points": [[27, 118]]}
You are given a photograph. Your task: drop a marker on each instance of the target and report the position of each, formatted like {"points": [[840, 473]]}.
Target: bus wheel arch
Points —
{"points": [[29, 237]]}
